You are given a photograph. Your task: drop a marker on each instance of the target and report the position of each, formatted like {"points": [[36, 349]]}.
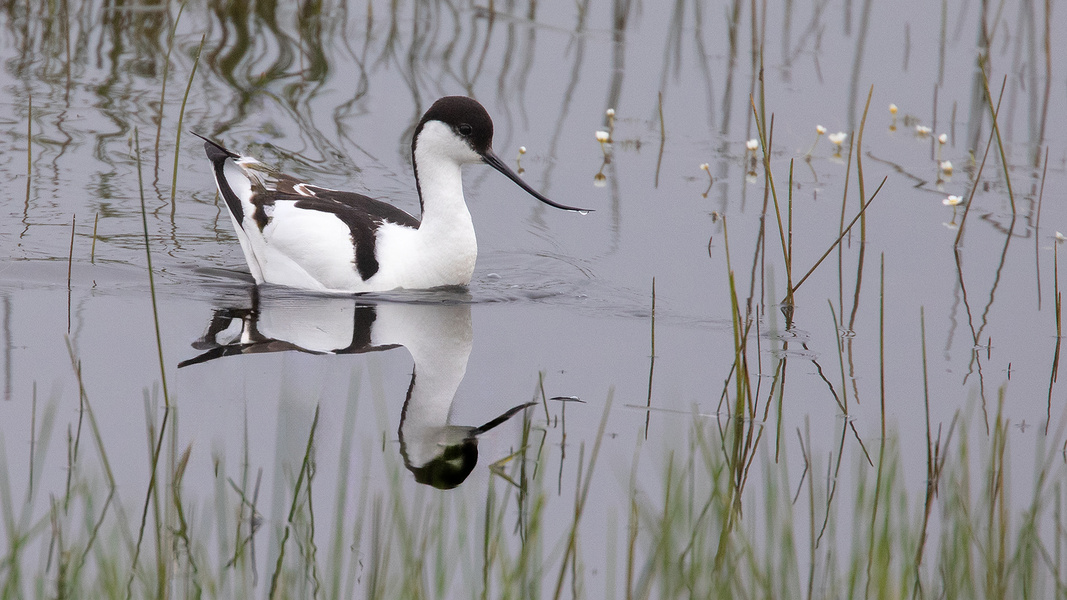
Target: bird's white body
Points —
{"points": [[309, 237]]}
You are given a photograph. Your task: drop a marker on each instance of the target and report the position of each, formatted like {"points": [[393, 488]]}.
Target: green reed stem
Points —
{"points": [[157, 450], [841, 226], [305, 471], [859, 166], [29, 148], [838, 325], [651, 361], [1037, 229], [33, 439], [766, 136], [931, 458], [151, 275], [88, 410], [765, 141], [844, 232], [70, 266], [1058, 300], [582, 496], [662, 121], [181, 119], [996, 130], [92, 252], [978, 175], [166, 72], [881, 446]]}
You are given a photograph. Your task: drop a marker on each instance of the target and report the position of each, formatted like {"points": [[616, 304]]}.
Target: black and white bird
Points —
{"points": [[305, 236]]}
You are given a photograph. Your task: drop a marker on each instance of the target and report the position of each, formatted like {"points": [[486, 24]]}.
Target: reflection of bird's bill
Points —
{"points": [[501, 419]]}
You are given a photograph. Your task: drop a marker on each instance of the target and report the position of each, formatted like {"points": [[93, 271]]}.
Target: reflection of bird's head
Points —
{"points": [[453, 449], [449, 468]]}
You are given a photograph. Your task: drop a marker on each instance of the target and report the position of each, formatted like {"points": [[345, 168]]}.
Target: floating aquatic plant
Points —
{"points": [[837, 139], [518, 160], [819, 132], [604, 138]]}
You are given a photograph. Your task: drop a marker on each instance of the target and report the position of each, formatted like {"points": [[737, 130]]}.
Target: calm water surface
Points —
{"points": [[559, 301]]}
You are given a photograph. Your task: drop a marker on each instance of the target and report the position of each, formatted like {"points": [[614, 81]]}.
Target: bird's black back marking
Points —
{"points": [[362, 215]]}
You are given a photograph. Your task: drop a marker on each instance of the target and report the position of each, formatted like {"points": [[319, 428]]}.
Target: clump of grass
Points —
{"points": [[682, 535]]}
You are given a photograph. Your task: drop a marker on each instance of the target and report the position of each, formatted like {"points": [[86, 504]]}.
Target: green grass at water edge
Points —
{"points": [[431, 544]]}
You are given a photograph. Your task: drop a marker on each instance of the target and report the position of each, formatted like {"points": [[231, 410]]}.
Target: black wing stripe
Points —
{"points": [[362, 215], [361, 227]]}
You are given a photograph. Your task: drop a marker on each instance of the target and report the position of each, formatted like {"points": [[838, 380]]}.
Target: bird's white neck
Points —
{"points": [[439, 157]]}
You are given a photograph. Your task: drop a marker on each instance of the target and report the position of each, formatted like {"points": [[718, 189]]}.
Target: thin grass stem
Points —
{"points": [[651, 361], [582, 495], [839, 238], [151, 273], [181, 119], [996, 130], [978, 175], [92, 251]]}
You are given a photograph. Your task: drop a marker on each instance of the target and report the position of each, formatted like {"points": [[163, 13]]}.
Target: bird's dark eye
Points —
{"points": [[465, 129]]}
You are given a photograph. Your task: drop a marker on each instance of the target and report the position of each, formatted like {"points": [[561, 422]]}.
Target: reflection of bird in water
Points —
{"points": [[310, 237], [438, 336]]}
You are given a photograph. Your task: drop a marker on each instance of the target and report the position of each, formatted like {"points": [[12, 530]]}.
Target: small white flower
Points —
{"points": [[1060, 237], [952, 201], [892, 109], [603, 136], [819, 130], [942, 139], [522, 149], [752, 145], [946, 167], [611, 112], [922, 130], [600, 180], [837, 138], [704, 167]]}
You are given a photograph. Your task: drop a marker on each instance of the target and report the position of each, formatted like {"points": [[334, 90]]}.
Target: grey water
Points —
{"points": [[561, 305]]}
